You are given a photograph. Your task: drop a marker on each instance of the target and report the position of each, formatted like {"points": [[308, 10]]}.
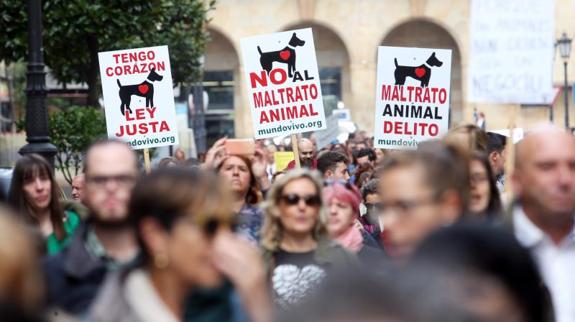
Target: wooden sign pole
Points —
{"points": [[295, 149], [147, 161]]}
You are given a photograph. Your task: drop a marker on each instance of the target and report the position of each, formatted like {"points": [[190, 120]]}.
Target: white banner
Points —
{"points": [[138, 96], [324, 137], [412, 96], [283, 83], [512, 47]]}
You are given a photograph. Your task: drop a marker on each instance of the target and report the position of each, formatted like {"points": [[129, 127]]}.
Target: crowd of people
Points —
{"points": [[356, 233]]}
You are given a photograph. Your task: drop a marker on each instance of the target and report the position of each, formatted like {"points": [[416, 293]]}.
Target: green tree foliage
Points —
{"points": [[76, 30], [72, 130]]}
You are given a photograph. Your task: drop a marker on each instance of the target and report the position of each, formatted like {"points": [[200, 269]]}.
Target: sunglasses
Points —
{"points": [[293, 199], [208, 225]]}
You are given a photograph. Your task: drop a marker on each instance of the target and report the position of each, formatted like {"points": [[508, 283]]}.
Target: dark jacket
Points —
{"points": [[73, 276]]}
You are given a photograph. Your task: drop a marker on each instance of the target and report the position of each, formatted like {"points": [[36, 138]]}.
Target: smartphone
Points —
{"points": [[240, 146]]}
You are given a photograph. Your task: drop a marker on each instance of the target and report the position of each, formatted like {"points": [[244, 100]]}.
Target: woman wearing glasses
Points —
{"points": [[182, 218], [34, 194], [484, 201], [297, 249]]}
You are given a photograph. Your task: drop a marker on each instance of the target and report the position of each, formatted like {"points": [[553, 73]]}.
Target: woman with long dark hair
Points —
{"points": [[484, 196], [34, 195]]}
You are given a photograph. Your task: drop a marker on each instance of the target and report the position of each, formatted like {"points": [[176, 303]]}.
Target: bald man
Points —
{"points": [[78, 187], [306, 155], [543, 219]]}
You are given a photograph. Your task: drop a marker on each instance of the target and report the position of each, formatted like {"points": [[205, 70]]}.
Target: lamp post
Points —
{"points": [[199, 124], [564, 44], [36, 114]]}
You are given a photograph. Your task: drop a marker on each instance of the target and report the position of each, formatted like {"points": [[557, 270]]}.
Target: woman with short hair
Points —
{"points": [[182, 219], [342, 200]]}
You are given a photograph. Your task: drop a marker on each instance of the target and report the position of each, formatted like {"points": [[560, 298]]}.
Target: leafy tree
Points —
{"points": [[76, 30], [72, 130]]}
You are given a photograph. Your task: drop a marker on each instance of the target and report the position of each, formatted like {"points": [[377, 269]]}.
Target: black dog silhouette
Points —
{"points": [[144, 89], [421, 72], [285, 56]]}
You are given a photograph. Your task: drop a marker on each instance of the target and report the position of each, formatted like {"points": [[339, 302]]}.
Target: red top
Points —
{"points": [[291, 165]]}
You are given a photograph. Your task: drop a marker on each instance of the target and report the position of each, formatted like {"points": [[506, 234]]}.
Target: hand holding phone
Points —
{"points": [[245, 147]]}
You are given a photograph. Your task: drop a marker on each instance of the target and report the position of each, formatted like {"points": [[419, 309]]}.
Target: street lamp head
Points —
{"points": [[564, 44]]}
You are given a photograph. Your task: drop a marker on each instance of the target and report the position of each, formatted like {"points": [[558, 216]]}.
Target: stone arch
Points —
{"points": [[333, 63], [429, 34], [222, 84]]}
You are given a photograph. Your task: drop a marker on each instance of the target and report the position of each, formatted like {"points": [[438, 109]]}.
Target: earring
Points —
{"points": [[161, 261]]}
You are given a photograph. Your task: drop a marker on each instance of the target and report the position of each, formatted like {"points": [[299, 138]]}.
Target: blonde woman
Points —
{"points": [[297, 249]]}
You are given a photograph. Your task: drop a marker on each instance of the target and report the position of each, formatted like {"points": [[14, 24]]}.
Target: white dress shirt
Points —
{"points": [[556, 263]]}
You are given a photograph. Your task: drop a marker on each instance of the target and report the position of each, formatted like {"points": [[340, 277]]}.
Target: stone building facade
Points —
{"points": [[347, 34]]}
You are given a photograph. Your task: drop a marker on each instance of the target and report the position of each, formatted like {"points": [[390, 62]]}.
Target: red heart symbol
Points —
{"points": [[285, 54], [420, 71], [143, 88]]}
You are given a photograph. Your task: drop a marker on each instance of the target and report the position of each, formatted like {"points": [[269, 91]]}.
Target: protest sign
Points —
{"points": [[511, 51], [282, 159], [325, 137], [283, 83], [138, 96], [412, 96]]}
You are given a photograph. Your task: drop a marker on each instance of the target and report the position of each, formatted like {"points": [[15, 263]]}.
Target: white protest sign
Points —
{"points": [[325, 137], [138, 96], [511, 57], [283, 83], [412, 96]]}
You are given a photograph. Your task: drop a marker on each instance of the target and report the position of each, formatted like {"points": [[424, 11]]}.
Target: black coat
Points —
{"points": [[74, 276]]}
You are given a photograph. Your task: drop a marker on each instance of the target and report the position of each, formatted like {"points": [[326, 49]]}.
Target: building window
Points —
{"points": [[220, 88], [330, 78]]}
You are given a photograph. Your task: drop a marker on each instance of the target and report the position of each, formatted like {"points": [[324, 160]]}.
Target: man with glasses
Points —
{"points": [[421, 191], [106, 241]]}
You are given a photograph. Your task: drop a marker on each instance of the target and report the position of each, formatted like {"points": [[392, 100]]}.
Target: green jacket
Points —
{"points": [[72, 219]]}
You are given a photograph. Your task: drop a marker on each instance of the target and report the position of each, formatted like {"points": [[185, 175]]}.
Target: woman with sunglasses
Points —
{"points": [[297, 248], [343, 200], [34, 194], [181, 218]]}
